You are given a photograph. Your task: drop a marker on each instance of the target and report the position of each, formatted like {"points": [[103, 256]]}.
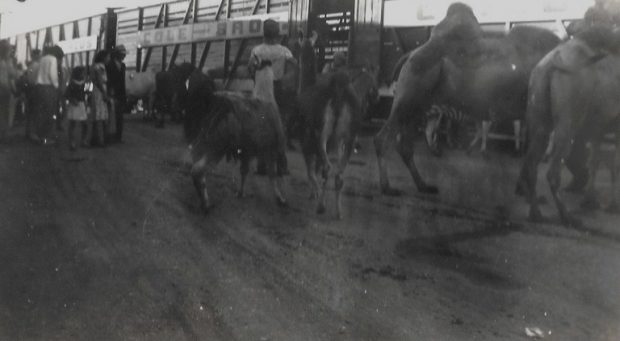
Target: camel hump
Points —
{"points": [[460, 23], [574, 55]]}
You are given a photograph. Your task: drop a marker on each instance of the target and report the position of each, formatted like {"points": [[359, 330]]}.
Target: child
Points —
{"points": [[76, 109]]}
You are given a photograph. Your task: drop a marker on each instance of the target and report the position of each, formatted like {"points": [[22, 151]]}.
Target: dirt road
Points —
{"points": [[109, 244]]}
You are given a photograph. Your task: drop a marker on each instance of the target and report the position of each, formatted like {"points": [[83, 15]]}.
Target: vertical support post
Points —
{"points": [[242, 46], [149, 50], [88, 33], [175, 51], [110, 29], [164, 49], [139, 51], [227, 43], [205, 50], [194, 45]]}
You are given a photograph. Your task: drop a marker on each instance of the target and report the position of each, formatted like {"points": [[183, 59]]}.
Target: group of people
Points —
{"points": [[90, 99]]}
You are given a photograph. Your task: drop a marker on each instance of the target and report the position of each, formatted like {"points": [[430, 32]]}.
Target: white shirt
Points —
{"points": [[47, 74], [275, 53]]}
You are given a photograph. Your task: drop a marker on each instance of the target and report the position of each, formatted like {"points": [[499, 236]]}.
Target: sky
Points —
{"points": [[18, 17]]}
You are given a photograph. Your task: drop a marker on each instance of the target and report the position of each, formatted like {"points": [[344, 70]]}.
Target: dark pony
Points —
{"points": [[234, 125], [170, 92]]}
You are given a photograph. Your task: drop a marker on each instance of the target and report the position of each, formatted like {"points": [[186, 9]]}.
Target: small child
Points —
{"points": [[76, 109]]}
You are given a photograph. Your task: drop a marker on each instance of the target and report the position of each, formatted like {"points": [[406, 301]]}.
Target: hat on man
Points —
{"points": [[271, 29], [120, 49]]}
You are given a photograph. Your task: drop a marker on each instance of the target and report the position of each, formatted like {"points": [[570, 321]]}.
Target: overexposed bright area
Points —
{"points": [[18, 17]]}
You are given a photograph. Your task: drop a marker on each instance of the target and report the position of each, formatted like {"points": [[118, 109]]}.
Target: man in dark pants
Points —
{"points": [[116, 89]]}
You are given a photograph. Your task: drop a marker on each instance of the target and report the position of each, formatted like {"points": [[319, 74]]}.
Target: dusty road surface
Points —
{"points": [[109, 244]]}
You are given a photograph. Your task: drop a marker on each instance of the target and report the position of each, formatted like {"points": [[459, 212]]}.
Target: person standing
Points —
{"points": [[31, 81], [99, 99], [116, 89], [47, 85], [76, 108], [271, 52], [7, 86]]}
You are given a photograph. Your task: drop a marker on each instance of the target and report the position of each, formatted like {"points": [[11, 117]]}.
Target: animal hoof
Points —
{"points": [[570, 221], [613, 208], [428, 189], [282, 202], [575, 186], [590, 203], [391, 191], [320, 209], [537, 217]]}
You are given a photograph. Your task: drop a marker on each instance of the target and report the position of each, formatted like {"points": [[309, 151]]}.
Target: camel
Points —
{"points": [[574, 93], [459, 67], [330, 112]]}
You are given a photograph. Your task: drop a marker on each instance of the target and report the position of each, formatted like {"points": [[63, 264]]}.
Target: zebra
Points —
{"points": [[442, 122]]}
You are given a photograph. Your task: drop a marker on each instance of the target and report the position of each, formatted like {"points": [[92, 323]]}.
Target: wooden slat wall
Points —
{"points": [[37, 40], [298, 16], [366, 44], [206, 10]]}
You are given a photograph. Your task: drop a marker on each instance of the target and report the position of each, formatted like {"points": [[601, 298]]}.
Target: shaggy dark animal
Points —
{"points": [[200, 91], [240, 127], [171, 92]]}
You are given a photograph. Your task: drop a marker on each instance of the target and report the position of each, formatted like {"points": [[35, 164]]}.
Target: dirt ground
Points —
{"points": [[109, 244]]}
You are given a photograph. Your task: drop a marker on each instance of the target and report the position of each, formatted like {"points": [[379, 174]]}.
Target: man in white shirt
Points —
{"points": [[46, 92], [273, 53]]}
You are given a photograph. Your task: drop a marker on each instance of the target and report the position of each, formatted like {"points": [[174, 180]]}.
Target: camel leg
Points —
{"points": [[477, 138], [486, 127], [516, 124], [563, 136], [590, 200], [328, 128], [613, 205], [526, 184], [275, 179], [320, 209], [199, 176], [311, 172], [405, 149], [244, 169], [344, 153]]}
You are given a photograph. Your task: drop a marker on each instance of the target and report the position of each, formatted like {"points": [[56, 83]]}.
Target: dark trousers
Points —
{"points": [[31, 111], [46, 108], [119, 108]]}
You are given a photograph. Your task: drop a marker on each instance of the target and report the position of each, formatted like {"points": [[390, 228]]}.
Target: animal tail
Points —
{"points": [[339, 86]]}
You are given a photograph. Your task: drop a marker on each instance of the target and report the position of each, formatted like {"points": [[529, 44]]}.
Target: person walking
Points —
{"points": [[8, 75], [116, 89], [46, 94], [99, 99], [76, 108]]}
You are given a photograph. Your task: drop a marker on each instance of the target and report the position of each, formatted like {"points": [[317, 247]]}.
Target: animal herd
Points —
{"points": [[566, 87]]}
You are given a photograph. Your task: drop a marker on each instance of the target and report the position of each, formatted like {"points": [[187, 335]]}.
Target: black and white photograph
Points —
{"points": [[292, 170]]}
